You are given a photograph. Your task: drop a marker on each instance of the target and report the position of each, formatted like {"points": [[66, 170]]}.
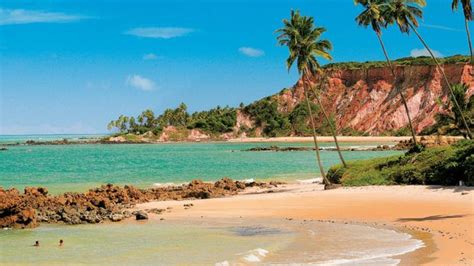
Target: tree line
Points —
{"points": [[217, 120]]}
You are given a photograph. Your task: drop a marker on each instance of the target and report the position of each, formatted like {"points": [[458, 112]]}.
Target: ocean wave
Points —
{"points": [[168, 184], [380, 257], [310, 180], [255, 255]]}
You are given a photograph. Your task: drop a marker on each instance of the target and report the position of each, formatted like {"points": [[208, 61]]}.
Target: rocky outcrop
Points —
{"points": [[428, 141], [197, 135], [348, 148], [118, 139], [15, 210], [106, 203], [365, 99]]}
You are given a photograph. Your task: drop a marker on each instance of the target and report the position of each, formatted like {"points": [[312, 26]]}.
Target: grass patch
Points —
{"points": [[405, 61], [435, 166]]}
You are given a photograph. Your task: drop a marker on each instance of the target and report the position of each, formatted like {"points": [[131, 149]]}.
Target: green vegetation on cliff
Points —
{"points": [[445, 165], [451, 123], [405, 61]]}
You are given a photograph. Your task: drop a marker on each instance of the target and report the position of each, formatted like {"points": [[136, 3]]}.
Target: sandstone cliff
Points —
{"points": [[365, 99]]}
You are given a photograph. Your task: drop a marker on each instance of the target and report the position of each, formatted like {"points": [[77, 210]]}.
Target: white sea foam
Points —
{"points": [[222, 263], [249, 180], [310, 181], [164, 184], [254, 255], [381, 257]]}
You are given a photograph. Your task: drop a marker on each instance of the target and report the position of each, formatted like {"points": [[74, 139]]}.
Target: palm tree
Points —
{"points": [[326, 117], [320, 49], [467, 9], [302, 39], [405, 14], [373, 16], [451, 122]]}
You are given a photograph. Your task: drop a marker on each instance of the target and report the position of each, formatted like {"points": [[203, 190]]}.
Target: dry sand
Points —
{"points": [[442, 217]]}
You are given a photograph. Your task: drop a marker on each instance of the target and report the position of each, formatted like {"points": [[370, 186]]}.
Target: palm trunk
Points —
{"points": [[392, 68], [315, 139], [466, 22], [333, 130], [468, 131]]}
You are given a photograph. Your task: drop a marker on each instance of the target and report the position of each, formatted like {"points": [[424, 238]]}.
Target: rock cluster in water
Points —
{"points": [[427, 141], [106, 203], [286, 149]]}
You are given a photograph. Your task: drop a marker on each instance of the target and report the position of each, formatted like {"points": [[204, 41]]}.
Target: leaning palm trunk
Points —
{"points": [[315, 138], [392, 68], [456, 104], [333, 130], [466, 23]]}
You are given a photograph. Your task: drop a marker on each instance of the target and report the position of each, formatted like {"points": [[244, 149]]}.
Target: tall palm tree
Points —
{"points": [[326, 117], [467, 10], [373, 15], [302, 39], [405, 13], [320, 48]]}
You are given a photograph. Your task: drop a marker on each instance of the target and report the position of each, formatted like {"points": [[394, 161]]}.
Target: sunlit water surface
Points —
{"points": [[79, 167], [206, 243]]}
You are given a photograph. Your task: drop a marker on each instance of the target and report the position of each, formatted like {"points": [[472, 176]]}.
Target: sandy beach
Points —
{"points": [[441, 217]]}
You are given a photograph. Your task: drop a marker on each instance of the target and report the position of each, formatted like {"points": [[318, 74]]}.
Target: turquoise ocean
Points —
{"points": [[79, 167], [238, 241]]}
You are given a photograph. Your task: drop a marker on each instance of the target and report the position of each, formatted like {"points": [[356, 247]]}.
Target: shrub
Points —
{"points": [[434, 166]]}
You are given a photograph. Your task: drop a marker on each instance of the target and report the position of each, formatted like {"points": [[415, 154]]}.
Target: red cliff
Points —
{"points": [[365, 99]]}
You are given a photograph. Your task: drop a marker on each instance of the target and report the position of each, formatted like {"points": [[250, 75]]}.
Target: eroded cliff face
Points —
{"points": [[366, 100]]}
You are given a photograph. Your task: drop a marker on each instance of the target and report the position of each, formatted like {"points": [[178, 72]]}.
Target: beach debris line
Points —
{"points": [[106, 203]]}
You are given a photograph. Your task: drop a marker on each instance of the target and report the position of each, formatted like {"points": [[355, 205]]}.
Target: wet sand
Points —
{"points": [[440, 216]]}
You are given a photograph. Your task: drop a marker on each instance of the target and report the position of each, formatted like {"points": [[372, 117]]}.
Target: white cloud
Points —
{"points": [[150, 56], [251, 52], [440, 27], [22, 16], [140, 83], [424, 52], [159, 32]]}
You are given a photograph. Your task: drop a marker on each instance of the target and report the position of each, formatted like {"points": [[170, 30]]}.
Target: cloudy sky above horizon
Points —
{"points": [[70, 67]]}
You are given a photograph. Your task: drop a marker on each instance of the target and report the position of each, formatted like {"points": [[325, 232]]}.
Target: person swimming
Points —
{"points": [[61, 242], [37, 244]]}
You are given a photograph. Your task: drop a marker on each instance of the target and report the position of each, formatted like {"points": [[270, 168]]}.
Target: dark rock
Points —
{"points": [[140, 215]]}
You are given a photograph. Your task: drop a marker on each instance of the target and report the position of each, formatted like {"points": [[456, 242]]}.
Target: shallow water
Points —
{"points": [[207, 243], [79, 167]]}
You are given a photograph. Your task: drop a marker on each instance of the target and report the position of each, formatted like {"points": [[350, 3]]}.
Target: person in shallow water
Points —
{"points": [[37, 244], [61, 242]]}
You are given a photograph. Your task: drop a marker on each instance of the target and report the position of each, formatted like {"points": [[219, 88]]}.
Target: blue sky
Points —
{"points": [[72, 66]]}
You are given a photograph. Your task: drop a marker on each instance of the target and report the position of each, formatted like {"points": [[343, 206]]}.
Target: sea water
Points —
{"points": [[205, 243], [78, 167]]}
